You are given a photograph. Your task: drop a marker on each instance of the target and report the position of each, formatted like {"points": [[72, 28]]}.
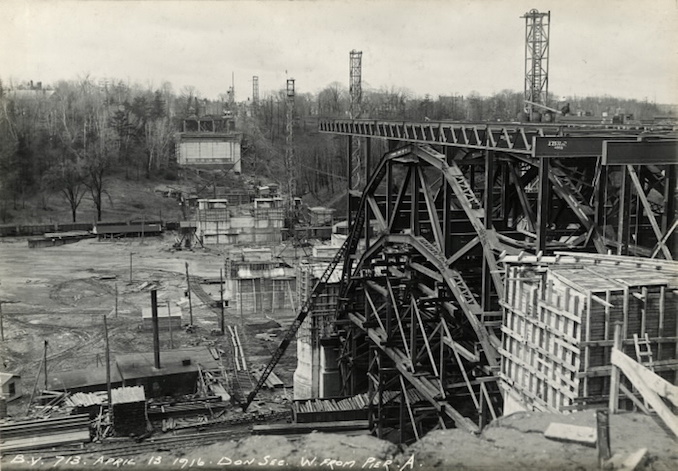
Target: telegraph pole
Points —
{"points": [[108, 364], [169, 320], [44, 360], [221, 290], [188, 285], [130, 267]]}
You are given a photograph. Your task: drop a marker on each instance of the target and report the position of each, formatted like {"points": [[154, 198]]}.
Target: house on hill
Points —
{"points": [[209, 142]]}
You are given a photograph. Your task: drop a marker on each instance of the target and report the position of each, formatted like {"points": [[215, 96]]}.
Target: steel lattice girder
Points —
{"points": [[414, 214], [433, 271], [508, 137]]}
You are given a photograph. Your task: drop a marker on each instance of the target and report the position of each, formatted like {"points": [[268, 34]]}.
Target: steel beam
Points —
{"points": [[626, 152]]}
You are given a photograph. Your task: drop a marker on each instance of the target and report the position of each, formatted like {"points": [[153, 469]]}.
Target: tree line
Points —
{"points": [[70, 137]]}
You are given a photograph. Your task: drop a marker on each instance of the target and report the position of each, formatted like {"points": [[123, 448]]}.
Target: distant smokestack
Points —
{"points": [[156, 333]]}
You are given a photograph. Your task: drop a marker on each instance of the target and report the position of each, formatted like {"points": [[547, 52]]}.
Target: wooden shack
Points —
{"points": [[166, 319], [129, 411], [559, 315], [10, 386]]}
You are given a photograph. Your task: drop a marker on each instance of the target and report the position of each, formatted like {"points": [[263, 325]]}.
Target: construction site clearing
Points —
{"points": [[499, 295], [78, 283], [473, 311]]}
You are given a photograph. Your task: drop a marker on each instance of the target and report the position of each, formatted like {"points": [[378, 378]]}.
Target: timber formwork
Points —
{"points": [[418, 315], [559, 320]]}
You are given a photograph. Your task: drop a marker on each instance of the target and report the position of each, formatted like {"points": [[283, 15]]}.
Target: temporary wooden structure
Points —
{"points": [[559, 318]]}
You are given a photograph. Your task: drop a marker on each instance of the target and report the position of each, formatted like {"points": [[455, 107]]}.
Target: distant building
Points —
{"points": [[218, 223], [10, 386], [209, 142]]}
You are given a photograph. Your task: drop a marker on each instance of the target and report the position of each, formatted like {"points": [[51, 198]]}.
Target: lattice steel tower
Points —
{"points": [[537, 27], [255, 89], [356, 96], [289, 148]]}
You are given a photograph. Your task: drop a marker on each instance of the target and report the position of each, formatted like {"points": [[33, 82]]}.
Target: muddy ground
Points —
{"points": [[63, 292]]}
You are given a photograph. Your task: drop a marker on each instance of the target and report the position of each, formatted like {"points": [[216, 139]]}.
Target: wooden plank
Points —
{"points": [[571, 433], [650, 386], [626, 462], [46, 441]]}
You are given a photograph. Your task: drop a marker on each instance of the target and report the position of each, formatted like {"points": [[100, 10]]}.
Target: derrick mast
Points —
{"points": [[289, 148], [356, 93], [537, 27]]}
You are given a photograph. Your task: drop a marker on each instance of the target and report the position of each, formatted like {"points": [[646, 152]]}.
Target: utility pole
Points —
{"points": [[44, 360], [169, 320], [130, 267], [221, 290], [108, 364], [188, 285]]}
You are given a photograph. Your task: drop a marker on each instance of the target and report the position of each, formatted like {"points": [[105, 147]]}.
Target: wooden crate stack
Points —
{"points": [[129, 411], [558, 326]]}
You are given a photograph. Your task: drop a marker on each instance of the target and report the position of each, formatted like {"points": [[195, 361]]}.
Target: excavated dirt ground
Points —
{"points": [[63, 292]]}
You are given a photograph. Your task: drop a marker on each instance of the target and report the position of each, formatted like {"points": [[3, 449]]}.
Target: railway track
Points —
{"points": [[228, 430]]}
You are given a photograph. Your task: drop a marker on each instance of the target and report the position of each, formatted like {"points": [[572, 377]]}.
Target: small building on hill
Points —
{"points": [[209, 142], [11, 384]]}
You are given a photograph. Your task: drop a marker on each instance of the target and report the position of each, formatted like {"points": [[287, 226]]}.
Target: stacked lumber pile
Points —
{"points": [[80, 399], [44, 433], [129, 411]]}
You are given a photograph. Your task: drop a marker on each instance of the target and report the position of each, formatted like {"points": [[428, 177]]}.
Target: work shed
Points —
{"points": [[10, 386], [559, 317], [166, 319]]}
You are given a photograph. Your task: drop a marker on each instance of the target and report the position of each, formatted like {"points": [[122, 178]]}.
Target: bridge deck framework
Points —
{"points": [[419, 316]]}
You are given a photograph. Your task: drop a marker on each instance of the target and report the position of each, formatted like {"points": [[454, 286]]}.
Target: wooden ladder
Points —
{"points": [[644, 355], [643, 351]]}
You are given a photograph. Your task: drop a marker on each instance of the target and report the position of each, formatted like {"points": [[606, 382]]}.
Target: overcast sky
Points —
{"points": [[625, 48]]}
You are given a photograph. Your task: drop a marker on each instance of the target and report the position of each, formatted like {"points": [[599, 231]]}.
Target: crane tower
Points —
{"points": [[537, 27], [356, 94], [289, 148], [255, 89]]}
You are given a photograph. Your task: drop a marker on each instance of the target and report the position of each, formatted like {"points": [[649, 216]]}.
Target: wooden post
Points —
{"points": [[169, 319], [130, 267], [188, 287], [603, 440], [44, 360], [614, 376], [221, 292], [2, 327], [108, 364], [116, 300]]}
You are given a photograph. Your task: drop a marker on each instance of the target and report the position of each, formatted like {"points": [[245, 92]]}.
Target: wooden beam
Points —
{"points": [[651, 387]]}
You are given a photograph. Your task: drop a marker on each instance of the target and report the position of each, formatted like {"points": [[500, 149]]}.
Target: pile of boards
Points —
{"points": [[44, 433]]}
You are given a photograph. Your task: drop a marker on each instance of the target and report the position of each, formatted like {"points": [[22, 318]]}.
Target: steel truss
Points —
{"points": [[418, 317]]}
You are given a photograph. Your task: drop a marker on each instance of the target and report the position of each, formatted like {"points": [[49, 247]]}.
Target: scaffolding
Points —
{"points": [[537, 31], [420, 308]]}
